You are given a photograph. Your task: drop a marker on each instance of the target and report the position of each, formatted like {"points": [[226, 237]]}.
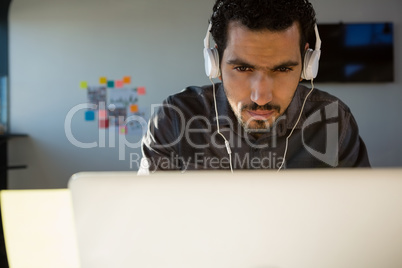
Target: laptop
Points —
{"points": [[259, 219]]}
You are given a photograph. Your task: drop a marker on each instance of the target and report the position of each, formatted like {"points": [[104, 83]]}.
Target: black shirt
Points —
{"points": [[182, 135]]}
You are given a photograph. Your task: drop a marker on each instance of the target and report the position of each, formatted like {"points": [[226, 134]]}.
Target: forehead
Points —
{"points": [[262, 46]]}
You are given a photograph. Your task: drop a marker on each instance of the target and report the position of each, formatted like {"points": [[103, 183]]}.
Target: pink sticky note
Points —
{"points": [[119, 84], [102, 114], [141, 91]]}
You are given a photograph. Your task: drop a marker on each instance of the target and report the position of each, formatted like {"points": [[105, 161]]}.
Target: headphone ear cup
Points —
{"points": [[211, 58], [311, 63]]}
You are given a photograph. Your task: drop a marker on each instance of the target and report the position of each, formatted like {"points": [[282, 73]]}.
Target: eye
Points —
{"points": [[243, 69], [283, 69]]}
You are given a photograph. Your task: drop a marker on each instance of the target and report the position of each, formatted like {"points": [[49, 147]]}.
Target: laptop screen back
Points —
{"points": [[320, 218]]}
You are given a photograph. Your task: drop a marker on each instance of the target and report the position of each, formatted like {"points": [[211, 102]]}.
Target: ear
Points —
{"points": [[220, 77]]}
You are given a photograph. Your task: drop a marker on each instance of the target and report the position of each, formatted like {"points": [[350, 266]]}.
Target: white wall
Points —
{"points": [[55, 44]]}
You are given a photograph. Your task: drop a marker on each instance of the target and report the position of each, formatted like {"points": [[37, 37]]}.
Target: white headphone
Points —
{"points": [[310, 66], [311, 59], [211, 57]]}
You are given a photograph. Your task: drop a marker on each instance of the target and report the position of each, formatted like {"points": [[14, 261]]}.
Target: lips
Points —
{"points": [[260, 114]]}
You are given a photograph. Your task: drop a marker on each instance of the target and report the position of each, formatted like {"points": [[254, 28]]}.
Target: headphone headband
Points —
{"points": [[317, 37], [206, 39]]}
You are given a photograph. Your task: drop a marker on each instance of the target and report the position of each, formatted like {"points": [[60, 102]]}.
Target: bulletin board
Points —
{"points": [[117, 105]]}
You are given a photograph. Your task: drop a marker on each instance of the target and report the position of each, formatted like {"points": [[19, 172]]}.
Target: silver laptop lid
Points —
{"points": [[319, 218]]}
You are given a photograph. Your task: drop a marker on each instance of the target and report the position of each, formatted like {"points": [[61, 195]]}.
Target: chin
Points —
{"points": [[250, 123], [256, 125]]}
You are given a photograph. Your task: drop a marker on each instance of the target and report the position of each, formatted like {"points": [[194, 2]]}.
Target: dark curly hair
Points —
{"points": [[273, 15]]}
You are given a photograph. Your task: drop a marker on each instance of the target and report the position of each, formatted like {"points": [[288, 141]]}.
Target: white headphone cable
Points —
{"points": [[298, 119], [218, 129]]}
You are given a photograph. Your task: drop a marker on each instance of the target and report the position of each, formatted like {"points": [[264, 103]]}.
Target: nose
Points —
{"points": [[261, 91]]}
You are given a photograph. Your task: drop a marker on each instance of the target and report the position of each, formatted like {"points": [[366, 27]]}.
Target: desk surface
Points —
{"points": [[38, 228]]}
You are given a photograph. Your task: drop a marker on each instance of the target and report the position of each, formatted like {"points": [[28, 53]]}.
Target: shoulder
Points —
{"points": [[335, 123], [192, 94], [319, 99], [324, 108], [193, 100]]}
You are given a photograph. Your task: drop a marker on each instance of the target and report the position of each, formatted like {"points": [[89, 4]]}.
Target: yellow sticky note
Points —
{"points": [[127, 79], [102, 80], [84, 84]]}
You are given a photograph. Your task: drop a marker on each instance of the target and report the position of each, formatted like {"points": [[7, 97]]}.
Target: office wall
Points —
{"points": [[376, 107], [56, 44]]}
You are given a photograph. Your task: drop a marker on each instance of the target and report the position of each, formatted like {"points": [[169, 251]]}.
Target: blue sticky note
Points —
{"points": [[110, 83], [90, 115]]}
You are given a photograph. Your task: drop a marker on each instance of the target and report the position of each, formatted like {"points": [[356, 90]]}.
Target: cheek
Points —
{"points": [[236, 87], [232, 77], [283, 94]]}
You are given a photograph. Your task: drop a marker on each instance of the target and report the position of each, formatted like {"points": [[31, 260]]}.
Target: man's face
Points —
{"points": [[260, 73]]}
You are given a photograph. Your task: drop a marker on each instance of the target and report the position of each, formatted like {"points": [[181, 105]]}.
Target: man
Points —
{"points": [[259, 117]]}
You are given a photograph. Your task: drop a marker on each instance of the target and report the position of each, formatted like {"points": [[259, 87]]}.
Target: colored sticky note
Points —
{"points": [[110, 83], [102, 114], [123, 130], [141, 91], [133, 108], [118, 84], [89, 115], [84, 84], [102, 80], [103, 123], [121, 120], [127, 79]]}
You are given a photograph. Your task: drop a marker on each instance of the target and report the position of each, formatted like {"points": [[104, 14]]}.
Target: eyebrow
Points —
{"points": [[240, 62]]}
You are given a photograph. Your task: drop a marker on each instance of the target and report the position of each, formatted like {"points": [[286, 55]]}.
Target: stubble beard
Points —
{"points": [[250, 125]]}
